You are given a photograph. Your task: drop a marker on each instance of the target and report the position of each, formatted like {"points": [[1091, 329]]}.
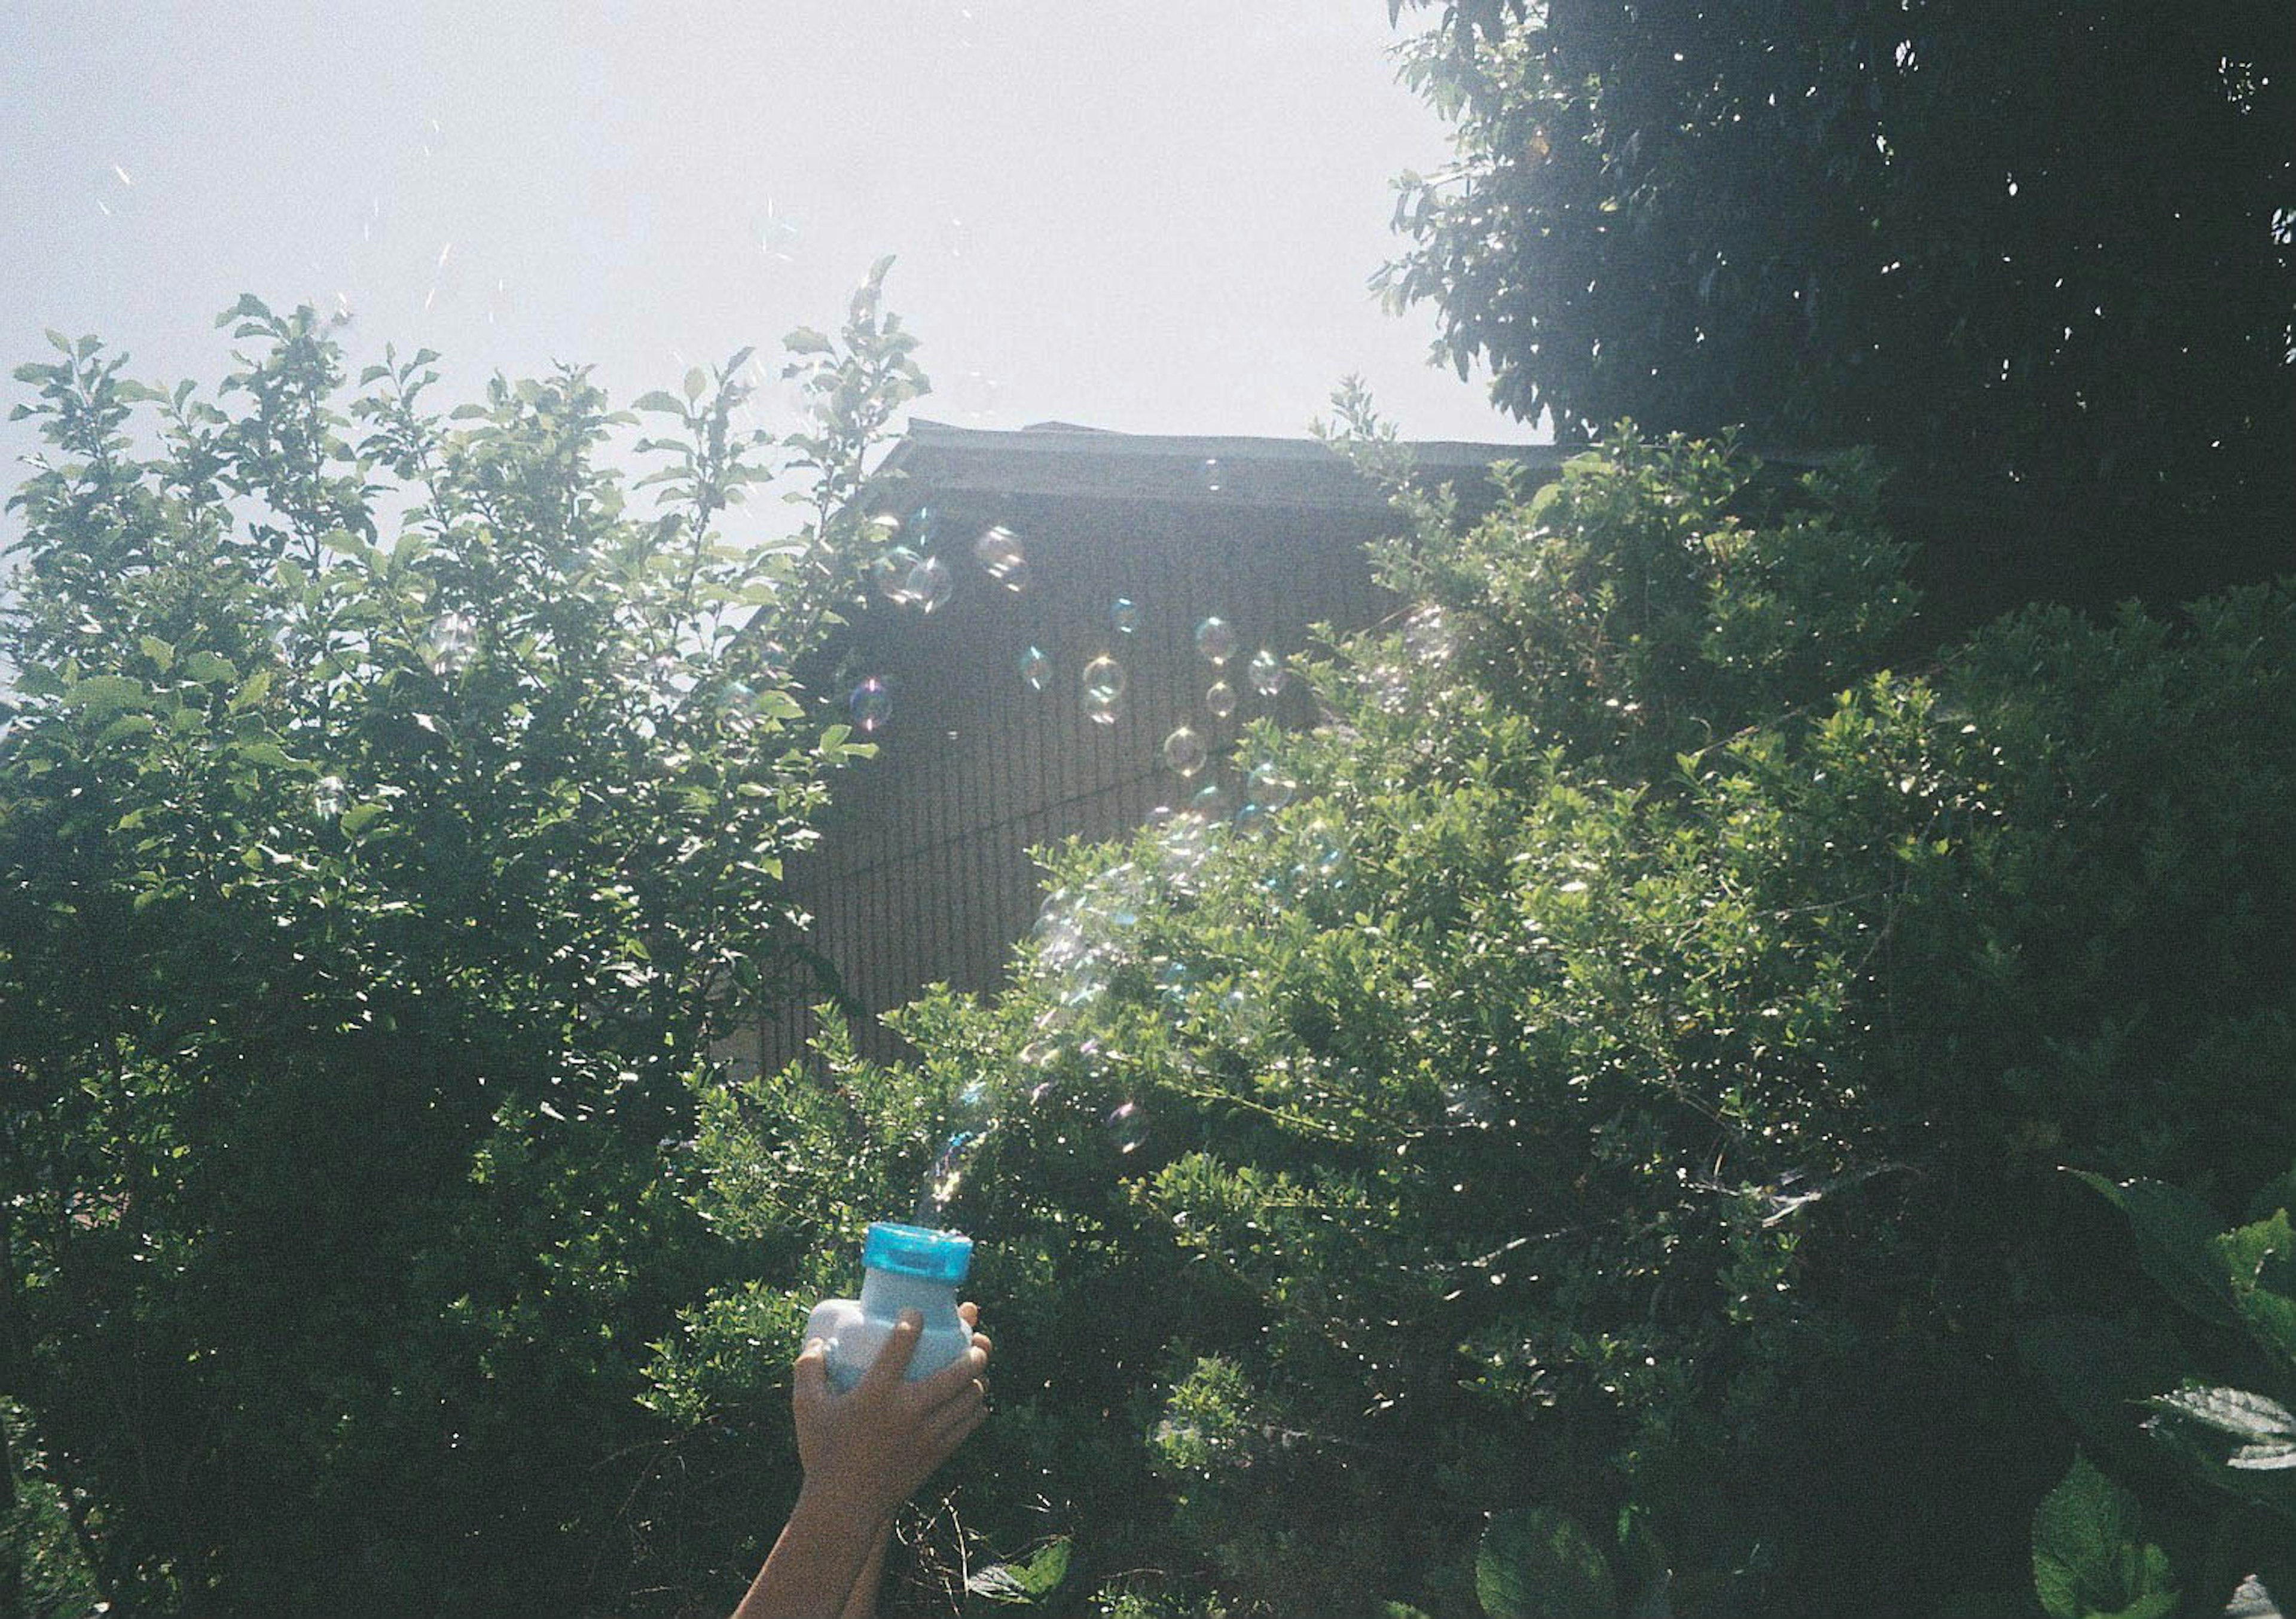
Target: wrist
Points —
{"points": [[831, 1502]]}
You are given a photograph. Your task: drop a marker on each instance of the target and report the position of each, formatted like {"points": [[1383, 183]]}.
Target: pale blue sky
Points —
{"points": [[1148, 217]]}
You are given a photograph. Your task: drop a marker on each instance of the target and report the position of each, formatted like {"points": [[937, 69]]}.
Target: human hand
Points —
{"points": [[867, 1451]]}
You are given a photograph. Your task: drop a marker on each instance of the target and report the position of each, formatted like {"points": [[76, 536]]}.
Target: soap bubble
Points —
{"points": [[1123, 615], [1219, 700], [998, 552], [871, 704], [1104, 677], [453, 641], [1103, 707], [1172, 982], [1184, 752], [1035, 669], [1128, 1127], [1269, 786], [1244, 1015], [1389, 687], [946, 1176], [1212, 475], [1267, 674], [929, 585], [1429, 634], [1185, 844], [1209, 802], [1216, 640], [1251, 821], [888, 573]]}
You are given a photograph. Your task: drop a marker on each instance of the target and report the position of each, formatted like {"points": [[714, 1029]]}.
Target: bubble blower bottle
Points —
{"points": [[904, 1267]]}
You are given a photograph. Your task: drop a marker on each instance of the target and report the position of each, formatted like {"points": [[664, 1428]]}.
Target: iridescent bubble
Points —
{"points": [[1186, 843], [1184, 752], [1244, 1015], [889, 571], [1172, 982], [1429, 635], [975, 393], [929, 584], [1209, 802], [1219, 700], [1123, 615], [1035, 669], [1103, 707], [737, 700], [453, 641], [1040, 1053], [1104, 677], [1269, 786], [1216, 640], [871, 704], [946, 1176], [1128, 1127], [1212, 475], [1266, 672], [1252, 821], [999, 554]]}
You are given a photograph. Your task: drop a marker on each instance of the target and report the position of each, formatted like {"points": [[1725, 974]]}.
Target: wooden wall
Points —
{"points": [[922, 873]]}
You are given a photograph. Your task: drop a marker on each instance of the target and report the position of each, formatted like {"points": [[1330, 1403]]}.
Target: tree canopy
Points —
{"points": [[2042, 248]]}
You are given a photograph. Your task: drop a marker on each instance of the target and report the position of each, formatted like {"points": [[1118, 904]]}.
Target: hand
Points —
{"points": [[868, 1450]]}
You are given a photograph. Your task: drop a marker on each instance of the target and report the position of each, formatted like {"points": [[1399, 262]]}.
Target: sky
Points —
{"points": [[1153, 218]]}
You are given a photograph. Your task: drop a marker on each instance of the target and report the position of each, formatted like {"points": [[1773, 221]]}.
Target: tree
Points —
{"points": [[1612, 1072], [2044, 257], [370, 901]]}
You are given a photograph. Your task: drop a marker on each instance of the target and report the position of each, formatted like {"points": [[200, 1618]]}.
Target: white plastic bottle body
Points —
{"points": [[856, 1329]]}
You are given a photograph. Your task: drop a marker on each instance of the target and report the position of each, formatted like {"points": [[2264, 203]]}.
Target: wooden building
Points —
{"points": [[922, 873]]}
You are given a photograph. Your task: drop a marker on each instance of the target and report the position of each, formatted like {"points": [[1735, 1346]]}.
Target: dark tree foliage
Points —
{"points": [[390, 816], [2038, 254]]}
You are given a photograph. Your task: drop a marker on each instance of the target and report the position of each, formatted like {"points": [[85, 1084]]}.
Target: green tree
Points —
{"points": [[2042, 256], [391, 819], [1610, 1072]]}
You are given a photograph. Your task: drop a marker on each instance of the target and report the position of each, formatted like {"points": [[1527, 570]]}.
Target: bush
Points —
{"points": [[1613, 1069], [368, 910]]}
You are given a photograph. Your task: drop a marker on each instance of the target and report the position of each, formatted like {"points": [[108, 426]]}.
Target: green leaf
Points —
{"points": [[2232, 1411], [158, 651], [2175, 1243], [1036, 1576], [100, 695], [1535, 1563], [2251, 1601], [696, 383], [209, 668], [2089, 1561], [359, 817], [658, 400]]}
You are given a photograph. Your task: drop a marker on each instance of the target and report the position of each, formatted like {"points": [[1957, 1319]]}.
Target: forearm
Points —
{"points": [[863, 1603], [816, 1567]]}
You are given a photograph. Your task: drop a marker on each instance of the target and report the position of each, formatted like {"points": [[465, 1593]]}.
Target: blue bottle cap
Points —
{"points": [[916, 1250]]}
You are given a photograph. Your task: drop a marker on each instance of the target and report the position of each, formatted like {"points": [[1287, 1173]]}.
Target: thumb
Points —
{"points": [[811, 1384]]}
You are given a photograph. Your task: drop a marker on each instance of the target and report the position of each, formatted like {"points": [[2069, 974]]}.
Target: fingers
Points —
{"points": [[952, 1379], [971, 1312], [892, 1361], [953, 1428]]}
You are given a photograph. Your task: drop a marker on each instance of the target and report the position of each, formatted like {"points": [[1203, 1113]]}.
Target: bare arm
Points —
{"points": [[864, 1453]]}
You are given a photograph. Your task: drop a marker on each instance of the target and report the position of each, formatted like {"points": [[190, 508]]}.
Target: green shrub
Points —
{"points": [[391, 819], [1628, 1077]]}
